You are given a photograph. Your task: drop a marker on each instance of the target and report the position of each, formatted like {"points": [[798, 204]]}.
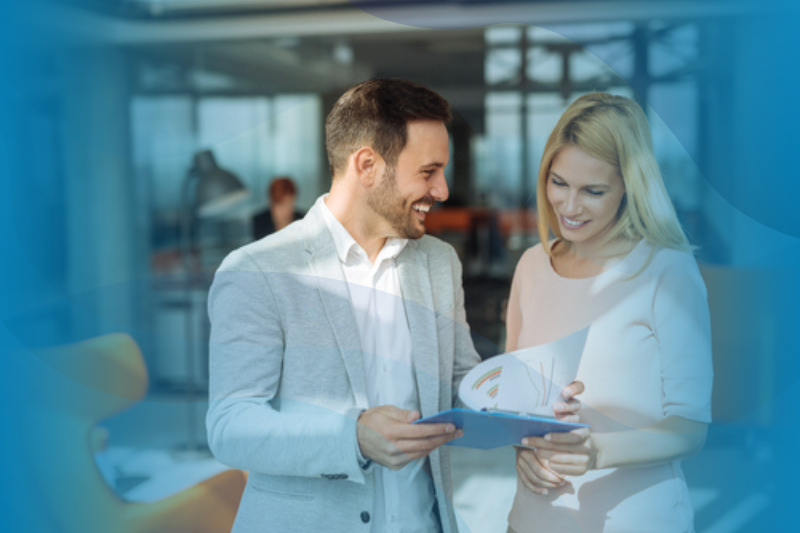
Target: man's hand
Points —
{"points": [[387, 436], [568, 409]]}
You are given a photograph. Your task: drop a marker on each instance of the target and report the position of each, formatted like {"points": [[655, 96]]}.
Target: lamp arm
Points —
{"points": [[187, 246]]}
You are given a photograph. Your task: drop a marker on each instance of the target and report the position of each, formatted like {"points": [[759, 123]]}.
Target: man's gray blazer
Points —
{"points": [[288, 383]]}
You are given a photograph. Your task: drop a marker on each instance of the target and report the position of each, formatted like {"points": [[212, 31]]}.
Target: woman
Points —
{"points": [[281, 211], [621, 263]]}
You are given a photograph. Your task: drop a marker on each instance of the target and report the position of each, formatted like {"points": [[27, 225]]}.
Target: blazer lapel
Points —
{"points": [[415, 283], [335, 296]]}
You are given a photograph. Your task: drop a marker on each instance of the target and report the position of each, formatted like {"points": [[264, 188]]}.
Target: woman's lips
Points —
{"points": [[573, 224]]}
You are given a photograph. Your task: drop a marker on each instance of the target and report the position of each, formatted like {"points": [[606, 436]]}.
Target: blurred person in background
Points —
{"points": [[281, 211], [621, 263]]}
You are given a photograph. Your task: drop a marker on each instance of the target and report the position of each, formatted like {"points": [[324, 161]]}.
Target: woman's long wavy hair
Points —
{"points": [[614, 129]]}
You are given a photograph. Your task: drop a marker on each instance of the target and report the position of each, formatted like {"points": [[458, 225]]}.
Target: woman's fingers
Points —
{"points": [[567, 408], [569, 470], [569, 417], [556, 441], [534, 474], [565, 464], [573, 389]]}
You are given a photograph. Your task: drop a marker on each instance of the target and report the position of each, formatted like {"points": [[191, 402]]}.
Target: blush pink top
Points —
{"points": [[647, 357]]}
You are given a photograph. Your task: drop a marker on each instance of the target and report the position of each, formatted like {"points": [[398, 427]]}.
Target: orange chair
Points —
{"points": [[82, 384]]}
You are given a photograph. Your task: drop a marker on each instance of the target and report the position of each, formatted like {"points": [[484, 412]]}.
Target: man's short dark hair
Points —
{"points": [[376, 113]]}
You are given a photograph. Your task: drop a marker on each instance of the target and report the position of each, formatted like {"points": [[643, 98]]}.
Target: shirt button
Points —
{"points": [[365, 517]]}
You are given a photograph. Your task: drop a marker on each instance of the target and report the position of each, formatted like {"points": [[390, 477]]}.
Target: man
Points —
{"points": [[331, 337]]}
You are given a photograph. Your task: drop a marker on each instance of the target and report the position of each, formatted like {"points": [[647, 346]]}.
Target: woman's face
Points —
{"points": [[284, 208], [585, 193]]}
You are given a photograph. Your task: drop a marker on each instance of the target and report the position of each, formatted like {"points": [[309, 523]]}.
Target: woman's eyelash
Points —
{"points": [[558, 183]]}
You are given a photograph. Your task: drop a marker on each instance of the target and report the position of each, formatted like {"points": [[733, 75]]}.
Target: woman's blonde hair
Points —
{"points": [[614, 128]]}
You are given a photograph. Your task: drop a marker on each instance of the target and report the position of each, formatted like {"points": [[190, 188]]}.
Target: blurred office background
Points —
{"points": [[111, 101]]}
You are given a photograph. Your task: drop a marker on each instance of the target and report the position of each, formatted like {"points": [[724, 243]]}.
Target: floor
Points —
{"points": [[151, 453]]}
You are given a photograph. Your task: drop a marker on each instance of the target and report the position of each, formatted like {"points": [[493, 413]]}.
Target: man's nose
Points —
{"points": [[439, 191]]}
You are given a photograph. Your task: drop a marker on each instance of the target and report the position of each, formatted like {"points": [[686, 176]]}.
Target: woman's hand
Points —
{"points": [[565, 454], [534, 469], [567, 410], [534, 474]]}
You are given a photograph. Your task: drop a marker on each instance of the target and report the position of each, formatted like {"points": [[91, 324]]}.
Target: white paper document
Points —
{"points": [[525, 381]]}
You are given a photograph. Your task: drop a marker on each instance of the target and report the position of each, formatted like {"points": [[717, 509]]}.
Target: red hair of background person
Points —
{"points": [[280, 188]]}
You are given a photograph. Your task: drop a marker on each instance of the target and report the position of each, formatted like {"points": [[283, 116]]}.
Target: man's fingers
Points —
{"points": [[406, 450], [422, 447], [395, 413], [375, 416], [424, 431], [395, 423], [412, 416], [387, 436]]}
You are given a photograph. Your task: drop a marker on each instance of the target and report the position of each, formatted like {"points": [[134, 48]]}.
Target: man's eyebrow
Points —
{"points": [[434, 164], [590, 186]]}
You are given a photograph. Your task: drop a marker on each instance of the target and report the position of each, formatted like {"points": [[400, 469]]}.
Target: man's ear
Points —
{"points": [[367, 165]]}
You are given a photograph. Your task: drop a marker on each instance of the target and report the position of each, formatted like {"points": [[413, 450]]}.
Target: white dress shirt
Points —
{"points": [[404, 499]]}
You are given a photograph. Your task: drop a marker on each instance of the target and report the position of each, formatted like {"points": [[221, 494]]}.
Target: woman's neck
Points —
{"points": [[281, 217], [580, 260]]}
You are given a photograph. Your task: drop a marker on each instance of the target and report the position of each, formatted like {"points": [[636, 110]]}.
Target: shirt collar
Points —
{"points": [[346, 245]]}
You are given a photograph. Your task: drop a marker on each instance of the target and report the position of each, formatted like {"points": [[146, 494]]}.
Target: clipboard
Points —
{"points": [[489, 429]]}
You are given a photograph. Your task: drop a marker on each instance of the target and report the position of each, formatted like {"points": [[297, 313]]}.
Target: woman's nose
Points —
{"points": [[572, 205]]}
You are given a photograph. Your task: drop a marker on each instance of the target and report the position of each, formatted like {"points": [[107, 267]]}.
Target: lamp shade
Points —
{"points": [[217, 189]]}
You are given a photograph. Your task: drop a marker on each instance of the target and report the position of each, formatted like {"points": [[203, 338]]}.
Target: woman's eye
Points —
{"points": [[557, 183], [596, 193]]}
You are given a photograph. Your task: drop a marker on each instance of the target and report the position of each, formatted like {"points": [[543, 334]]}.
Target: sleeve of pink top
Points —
{"points": [[682, 327]]}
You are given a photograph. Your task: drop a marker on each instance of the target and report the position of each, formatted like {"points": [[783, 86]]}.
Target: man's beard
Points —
{"points": [[385, 200]]}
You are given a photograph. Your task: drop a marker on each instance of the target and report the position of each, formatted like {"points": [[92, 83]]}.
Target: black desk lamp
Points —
{"points": [[217, 190]]}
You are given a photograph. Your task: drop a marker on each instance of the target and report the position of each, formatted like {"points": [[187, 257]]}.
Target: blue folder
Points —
{"points": [[491, 429]]}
